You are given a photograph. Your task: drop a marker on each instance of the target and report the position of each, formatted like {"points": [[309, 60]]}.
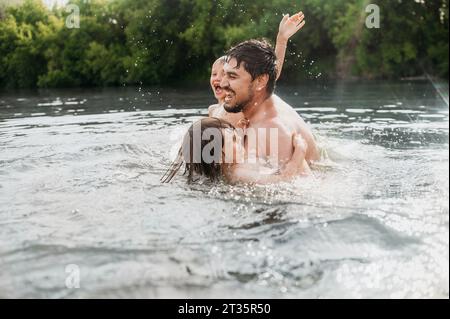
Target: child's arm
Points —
{"points": [[288, 27]]}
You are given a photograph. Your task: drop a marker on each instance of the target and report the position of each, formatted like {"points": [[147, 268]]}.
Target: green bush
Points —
{"points": [[175, 41]]}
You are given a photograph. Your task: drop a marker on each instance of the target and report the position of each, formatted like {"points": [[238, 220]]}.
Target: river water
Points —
{"points": [[83, 214]]}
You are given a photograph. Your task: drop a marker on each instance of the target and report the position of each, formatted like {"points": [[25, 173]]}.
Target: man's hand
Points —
{"points": [[290, 25]]}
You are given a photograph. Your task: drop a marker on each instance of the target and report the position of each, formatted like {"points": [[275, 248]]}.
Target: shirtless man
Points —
{"points": [[289, 25], [248, 83]]}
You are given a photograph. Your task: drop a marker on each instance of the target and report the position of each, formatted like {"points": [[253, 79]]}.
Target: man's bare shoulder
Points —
{"points": [[279, 101], [290, 114], [284, 107], [273, 121]]}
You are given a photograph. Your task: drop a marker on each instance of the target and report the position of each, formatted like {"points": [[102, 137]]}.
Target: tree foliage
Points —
{"points": [[167, 41]]}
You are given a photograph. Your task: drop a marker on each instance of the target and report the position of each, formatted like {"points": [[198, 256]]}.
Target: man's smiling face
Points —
{"points": [[238, 86]]}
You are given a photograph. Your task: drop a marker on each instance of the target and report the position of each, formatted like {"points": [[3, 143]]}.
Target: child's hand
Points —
{"points": [[290, 25], [297, 164], [299, 144]]}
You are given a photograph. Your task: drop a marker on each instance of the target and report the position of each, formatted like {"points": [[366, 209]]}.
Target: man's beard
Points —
{"points": [[239, 107], [234, 109]]}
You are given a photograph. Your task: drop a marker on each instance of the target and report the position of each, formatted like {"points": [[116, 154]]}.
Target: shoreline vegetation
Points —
{"points": [[171, 42]]}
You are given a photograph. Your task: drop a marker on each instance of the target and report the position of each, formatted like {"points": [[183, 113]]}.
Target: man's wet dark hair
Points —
{"points": [[259, 58]]}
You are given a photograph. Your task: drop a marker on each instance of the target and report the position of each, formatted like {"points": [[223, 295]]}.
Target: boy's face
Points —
{"points": [[216, 78]]}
